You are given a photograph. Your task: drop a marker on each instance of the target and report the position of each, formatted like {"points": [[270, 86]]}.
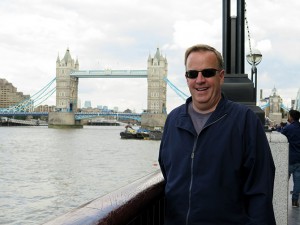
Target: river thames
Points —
{"points": [[46, 172]]}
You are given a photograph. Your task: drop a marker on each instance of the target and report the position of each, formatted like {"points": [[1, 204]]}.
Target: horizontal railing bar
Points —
{"points": [[118, 207]]}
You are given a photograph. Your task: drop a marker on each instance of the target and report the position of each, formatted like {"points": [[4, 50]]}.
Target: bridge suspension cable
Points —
{"points": [[43, 98], [33, 101], [174, 88], [284, 107]]}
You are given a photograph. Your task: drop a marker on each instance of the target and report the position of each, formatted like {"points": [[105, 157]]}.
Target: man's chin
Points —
{"points": [[201, 99]]}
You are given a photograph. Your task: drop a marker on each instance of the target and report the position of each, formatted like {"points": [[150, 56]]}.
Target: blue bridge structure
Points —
{"points": [[78, 115], [110, 74], [282, 106]]}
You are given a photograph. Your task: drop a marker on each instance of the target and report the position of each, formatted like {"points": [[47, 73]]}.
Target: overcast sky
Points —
{"points": [[120, 34]]}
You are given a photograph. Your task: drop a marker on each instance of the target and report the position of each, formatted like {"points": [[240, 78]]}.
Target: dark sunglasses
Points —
{"points": [[192, 74]]}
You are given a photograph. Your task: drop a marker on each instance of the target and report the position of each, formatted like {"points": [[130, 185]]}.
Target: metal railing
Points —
{"points": [[139, 203]]}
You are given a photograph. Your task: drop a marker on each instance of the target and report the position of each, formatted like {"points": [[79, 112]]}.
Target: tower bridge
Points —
{"points": [[110, 74], [67, 81]]}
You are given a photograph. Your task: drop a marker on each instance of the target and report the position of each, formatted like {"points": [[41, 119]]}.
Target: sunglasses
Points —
{"points": [[192, 74]]}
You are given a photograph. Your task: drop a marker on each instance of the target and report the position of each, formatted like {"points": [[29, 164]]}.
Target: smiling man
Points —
{"points": [[214, 154]]}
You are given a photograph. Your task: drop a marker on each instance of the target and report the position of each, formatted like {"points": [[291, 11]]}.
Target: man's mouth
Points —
{"points": [[202, 89]]}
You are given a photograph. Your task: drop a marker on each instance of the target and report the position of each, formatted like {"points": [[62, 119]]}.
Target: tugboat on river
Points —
{"points": [[142, 134]]}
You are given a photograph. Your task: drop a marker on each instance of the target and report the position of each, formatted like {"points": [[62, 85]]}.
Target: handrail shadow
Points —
{"points": [[139, 203]]}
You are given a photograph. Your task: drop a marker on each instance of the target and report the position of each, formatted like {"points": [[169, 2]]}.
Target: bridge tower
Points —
{"points": [[157, 70], [66, 94], [274, 111], [66, 86], [157, 88]]}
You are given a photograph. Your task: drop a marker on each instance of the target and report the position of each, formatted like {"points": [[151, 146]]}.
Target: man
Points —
{"points": [[214, 154], [292, 132]]}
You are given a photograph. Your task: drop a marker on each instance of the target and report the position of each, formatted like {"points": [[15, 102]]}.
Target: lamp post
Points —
{"points": [[254, 58]]}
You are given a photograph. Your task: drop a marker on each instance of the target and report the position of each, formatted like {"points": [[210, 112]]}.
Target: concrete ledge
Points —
{"points": [[279, 147]]}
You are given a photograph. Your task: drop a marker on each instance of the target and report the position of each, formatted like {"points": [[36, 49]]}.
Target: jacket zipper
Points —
{"points": [[191, 183], [192, 165]]}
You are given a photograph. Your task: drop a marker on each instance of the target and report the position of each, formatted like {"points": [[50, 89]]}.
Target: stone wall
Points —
{"points": [[62, 120], [153, 121], [279, 148]]}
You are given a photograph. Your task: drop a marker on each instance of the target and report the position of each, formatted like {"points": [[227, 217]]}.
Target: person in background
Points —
{"points": [[280, 127], [214, 154], [292, 132]]}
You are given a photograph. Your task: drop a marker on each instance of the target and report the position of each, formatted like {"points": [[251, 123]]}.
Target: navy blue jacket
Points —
{"points": [[292, 132], [224, 175]]}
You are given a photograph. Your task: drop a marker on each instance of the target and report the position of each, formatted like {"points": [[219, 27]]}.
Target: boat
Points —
{"points": [[142, 134], [131, 133], [155, 135]]}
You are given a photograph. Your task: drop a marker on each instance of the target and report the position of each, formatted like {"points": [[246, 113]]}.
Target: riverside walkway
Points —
{"points": [[293, 213]]}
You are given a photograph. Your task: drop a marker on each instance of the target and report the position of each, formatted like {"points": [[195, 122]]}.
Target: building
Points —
{"points": [[116, 109], [9, 96], [87, 104], [105, 108], [157, 87], [274, 108], [66, 86], [45, 108], [297, 101], [78, 103]]}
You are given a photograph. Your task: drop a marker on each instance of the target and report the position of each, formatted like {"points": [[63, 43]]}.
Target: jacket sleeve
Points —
{"points": [[160, 161], [258, 172], [284, 130]]}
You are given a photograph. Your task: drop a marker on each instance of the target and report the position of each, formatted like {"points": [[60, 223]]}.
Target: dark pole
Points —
{"points": [[226, 36], [237, 86], [240, 28], [233, 46], [233, 38]]}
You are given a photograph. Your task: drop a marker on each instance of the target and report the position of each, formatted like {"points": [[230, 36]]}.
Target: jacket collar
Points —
{"points": [[296, 123], [184, 121], [220, 107]]}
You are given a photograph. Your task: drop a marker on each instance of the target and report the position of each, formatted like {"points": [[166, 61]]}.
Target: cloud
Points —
{"points": [[187, 33], [121, 34], [264, 45]]}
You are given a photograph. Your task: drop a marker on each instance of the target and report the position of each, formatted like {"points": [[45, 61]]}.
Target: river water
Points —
{"points": [[46, 172]]}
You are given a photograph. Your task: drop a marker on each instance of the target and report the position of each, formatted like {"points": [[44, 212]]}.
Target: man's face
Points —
{"points": [[206, 92]]}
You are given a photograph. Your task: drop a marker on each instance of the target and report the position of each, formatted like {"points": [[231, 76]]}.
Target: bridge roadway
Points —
{"points": [[110, 74], [78, 115]]}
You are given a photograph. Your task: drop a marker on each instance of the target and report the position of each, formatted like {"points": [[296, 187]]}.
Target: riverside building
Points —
{"points": [[9, 95]]}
